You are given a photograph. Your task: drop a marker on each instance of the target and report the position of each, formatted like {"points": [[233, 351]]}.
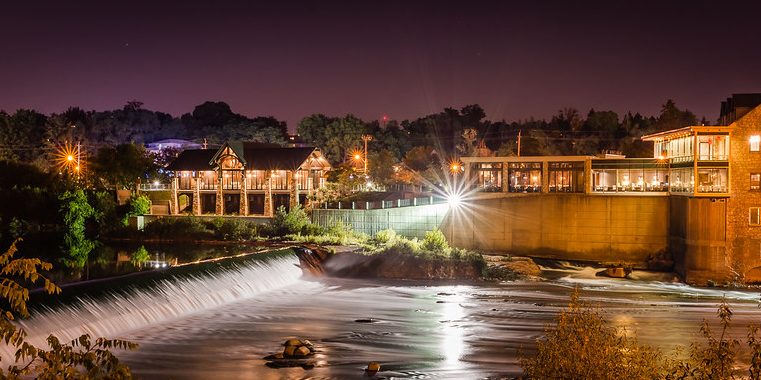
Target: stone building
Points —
{"points": [[245, 178], [697, 200]]}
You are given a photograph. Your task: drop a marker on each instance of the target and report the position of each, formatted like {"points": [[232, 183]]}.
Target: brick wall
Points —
{"points": [[744, 251]]}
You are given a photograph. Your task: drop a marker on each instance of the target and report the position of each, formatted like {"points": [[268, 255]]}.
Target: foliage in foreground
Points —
{"points": [[582, 346], [80, 359]]}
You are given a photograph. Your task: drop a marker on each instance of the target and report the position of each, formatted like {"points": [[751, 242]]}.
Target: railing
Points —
{"points": [[154, 186], [376, 205]]}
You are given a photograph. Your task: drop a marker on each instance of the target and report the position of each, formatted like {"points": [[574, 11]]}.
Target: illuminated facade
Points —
{"points": [[703, 181], [244, 178]]}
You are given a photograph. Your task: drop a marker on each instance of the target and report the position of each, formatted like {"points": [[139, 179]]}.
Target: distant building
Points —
{"points": [[158, 146], [245, 178], [698, 199]]}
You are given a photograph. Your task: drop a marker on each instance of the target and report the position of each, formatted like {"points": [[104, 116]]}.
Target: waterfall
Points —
{"points": [[119, 310]]}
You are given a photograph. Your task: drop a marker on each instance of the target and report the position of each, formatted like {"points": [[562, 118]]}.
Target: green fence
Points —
{"points": [[412, 221]]}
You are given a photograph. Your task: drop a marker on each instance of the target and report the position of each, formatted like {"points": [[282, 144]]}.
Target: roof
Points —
{"points": [[261, 157], [686, 131], [192, 159], [255, 156]]}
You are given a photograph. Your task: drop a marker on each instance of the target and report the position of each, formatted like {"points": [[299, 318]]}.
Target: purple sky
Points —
{"points": [[401, 58]]}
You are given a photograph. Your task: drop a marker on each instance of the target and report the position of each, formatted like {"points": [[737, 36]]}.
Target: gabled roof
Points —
{"points": [[192, 159], [261, 157], [254, 156]]}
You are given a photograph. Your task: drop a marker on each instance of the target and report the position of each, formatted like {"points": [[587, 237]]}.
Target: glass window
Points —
{"points": [[524, 177], [755, 181], [754, 217], [712, 180], [208, 180], [681, 180], [186, 181], [629, 180], [566, 177], [489, 176], [755, 143], [279, 180], [713, 148]]}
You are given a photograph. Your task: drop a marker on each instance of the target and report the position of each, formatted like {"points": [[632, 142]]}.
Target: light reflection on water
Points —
{"points": [[421, 330], [476, 331]]}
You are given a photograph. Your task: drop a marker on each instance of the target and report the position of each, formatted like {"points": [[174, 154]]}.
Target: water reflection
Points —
{"points": [[452, 314]]}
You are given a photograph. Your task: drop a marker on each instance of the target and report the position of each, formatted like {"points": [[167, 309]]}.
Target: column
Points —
{"points": [[268, 211], [243, 194], [293, 186], [505, 178], [220, 209], [174, 205], [197, 196], [545, 177]]}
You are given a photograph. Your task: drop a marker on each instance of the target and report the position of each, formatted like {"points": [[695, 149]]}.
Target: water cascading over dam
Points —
{"points": [[114, 307]]}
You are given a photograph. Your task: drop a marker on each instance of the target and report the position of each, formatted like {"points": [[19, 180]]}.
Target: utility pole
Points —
{"points": [[519, 143], [79, 157], [366, 138], [205, 144]]}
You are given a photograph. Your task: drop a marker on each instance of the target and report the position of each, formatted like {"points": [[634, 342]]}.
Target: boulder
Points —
{"points": [[373, 367], [302, 352], [616, 272]]}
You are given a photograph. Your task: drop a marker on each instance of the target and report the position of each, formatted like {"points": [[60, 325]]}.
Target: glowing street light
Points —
{"points": [[455, 167]]}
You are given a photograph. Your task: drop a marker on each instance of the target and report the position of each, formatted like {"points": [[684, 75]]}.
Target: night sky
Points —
{"points": [[402, 59]]}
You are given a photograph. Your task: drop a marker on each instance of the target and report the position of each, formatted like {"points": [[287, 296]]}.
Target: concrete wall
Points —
{"points": [[698, 239], [608, 229]]}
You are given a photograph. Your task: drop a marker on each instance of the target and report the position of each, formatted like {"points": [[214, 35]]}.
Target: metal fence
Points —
{"points": [[413, 220], [375, 205], [154, 186]]}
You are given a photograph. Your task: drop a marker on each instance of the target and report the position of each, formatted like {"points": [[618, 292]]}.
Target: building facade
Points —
{"points": [[245, 178], [698, 197]]}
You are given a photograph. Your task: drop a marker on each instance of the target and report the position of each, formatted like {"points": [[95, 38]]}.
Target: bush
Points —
{"points": [[582, 346], [294, 221], [234, 229], [385, 236], [178, 228], [139, 204], [435, 242]]}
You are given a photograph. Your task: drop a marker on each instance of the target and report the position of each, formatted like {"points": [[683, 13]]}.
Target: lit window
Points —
{"points": [[755, 181], [755, 143], [754, 219]]}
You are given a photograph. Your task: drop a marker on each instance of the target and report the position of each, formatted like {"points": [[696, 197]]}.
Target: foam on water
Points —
{"points": [[123, 311]]}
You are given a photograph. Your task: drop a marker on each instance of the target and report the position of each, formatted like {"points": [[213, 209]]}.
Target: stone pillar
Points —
{"points": [[268, 210], [293, 187], [505, 178], [243, 194], [197, 196], [174, 205], [220, 199], [545, 177]]}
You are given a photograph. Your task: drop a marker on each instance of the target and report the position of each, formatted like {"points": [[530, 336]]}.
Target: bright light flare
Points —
{"points": [[456, 167], [454, 200], [66, 158]]}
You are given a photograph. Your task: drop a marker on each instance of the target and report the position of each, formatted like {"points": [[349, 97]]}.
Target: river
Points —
{"points": [[220, 324]]}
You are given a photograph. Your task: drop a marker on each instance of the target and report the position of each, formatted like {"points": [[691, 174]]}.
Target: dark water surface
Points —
{"points": [[221, 324]]}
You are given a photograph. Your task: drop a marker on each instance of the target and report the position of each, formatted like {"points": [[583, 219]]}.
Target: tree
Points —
{"points": [[81, 358], [671, 117], [419, 158], [75, 210], [123, 166], [381, 167]]}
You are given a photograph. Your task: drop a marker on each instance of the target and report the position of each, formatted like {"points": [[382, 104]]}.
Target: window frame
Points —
{"points": [[757, 187], [755, 143], [757, 212]]}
